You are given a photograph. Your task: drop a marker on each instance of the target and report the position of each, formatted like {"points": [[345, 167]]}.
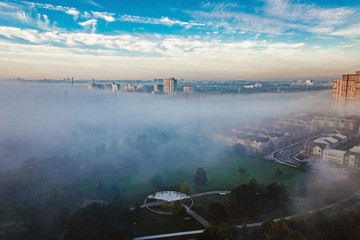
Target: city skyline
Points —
{"points": [[207, 40]]}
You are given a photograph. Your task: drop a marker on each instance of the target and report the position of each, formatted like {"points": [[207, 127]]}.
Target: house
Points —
{"points": [[314, 149], [333, 156]]}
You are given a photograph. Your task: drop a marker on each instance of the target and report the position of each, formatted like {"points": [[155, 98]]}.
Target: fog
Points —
{"points": [[61, 147], [40, 120]]}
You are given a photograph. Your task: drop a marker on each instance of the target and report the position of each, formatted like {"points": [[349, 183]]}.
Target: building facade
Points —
{"points": [[169, 85], [346, 94]]}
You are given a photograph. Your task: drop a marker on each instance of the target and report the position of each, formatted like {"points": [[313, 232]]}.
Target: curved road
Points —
{"points": [[240, 226], [193, 196]]}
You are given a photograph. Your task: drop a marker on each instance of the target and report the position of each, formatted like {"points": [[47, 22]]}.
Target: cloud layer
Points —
{"points": [[272, 39]]}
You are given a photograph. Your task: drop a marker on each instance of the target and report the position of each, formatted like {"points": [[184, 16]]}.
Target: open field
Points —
{"points": [[221, 174], [152, 223]]}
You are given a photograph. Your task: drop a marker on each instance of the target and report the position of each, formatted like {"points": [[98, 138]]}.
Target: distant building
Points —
{"points": [[253, 144], [158, 88], [170, 84], [108, 86], [309, 83], [318, 147], [128, 88], [314, 149], [95, 85], [346, 94], [333, 156], [340, 123], [115, 87], [187, 89]]}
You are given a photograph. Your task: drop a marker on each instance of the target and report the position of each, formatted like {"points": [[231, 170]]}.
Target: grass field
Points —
{"points": [[152, 223], [221, 174]]}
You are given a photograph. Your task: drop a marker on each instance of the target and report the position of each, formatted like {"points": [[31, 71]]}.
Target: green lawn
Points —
{"points": [[221, 174], [153, 223]]}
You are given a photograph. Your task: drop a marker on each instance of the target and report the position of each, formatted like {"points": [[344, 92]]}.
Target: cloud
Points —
{"points": [[308, 13], [352, 31], [68, 10], [90, 23], [274, 17], [52, 54], [93, 3], [156, 21], [4, 5], [229, 21], [108, 17], [43, 21], [14, 12]]}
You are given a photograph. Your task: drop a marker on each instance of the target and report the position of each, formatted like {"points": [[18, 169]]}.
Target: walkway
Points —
{"points": [[197, 217], [257, 224]]}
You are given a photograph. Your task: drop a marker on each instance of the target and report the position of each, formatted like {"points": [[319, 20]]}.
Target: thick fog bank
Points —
{"points": [[38, 120]]}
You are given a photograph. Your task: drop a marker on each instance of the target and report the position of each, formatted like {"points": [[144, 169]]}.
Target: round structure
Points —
{"points": [[161, 202]]}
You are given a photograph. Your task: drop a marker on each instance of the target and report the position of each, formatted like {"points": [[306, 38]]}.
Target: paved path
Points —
{"points": [[248, 225], [193, 196], [170, 235], [197, 217], [209, 193]]}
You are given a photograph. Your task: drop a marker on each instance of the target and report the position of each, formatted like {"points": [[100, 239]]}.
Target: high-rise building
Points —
{"points": [[346, 94], [187, 89], [170, 84], [158, 88]]}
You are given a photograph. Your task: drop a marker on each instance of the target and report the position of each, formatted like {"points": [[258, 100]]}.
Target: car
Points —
{"points": [[222, 193]]}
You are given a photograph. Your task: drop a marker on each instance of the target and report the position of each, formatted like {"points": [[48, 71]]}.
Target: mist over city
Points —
{"points": [[181, 120], [46, 119]]}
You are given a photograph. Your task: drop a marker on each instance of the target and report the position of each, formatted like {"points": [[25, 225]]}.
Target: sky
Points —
{"points": [[193, 40]]}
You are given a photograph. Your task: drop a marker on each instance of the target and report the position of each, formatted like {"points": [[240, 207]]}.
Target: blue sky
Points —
{"points": [[208, 40]]}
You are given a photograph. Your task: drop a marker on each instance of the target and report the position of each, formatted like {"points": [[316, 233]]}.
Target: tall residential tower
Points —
{"points": [[346, 94], [170, 84]]}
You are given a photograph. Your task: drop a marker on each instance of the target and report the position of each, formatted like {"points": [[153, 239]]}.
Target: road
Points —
{"points": [[257, 224], [169, 235], [193, 196], [197, 217], [283, 155], [209, 193]]}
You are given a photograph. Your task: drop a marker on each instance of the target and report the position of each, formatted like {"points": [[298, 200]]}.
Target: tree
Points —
{"points": [[178, 209], [102, 191], [200, 176], [302, 188], [240, 169], [217, 212], [186, 188], [221, 232], [276, 195], [101, 148], [239, 149], [114, 146], [156, 181], [280, 230], [277, 173]]}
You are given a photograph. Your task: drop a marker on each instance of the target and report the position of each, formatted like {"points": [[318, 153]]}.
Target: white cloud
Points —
{"points": [[68, 10], [89, 23], [43, 21], [285, 9], [275, 17], [8, 6], [351, 31], [108, 17], [93, 3], [38, 61], [230, 21], [21, 15], [171, 46], [156, 21]]}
